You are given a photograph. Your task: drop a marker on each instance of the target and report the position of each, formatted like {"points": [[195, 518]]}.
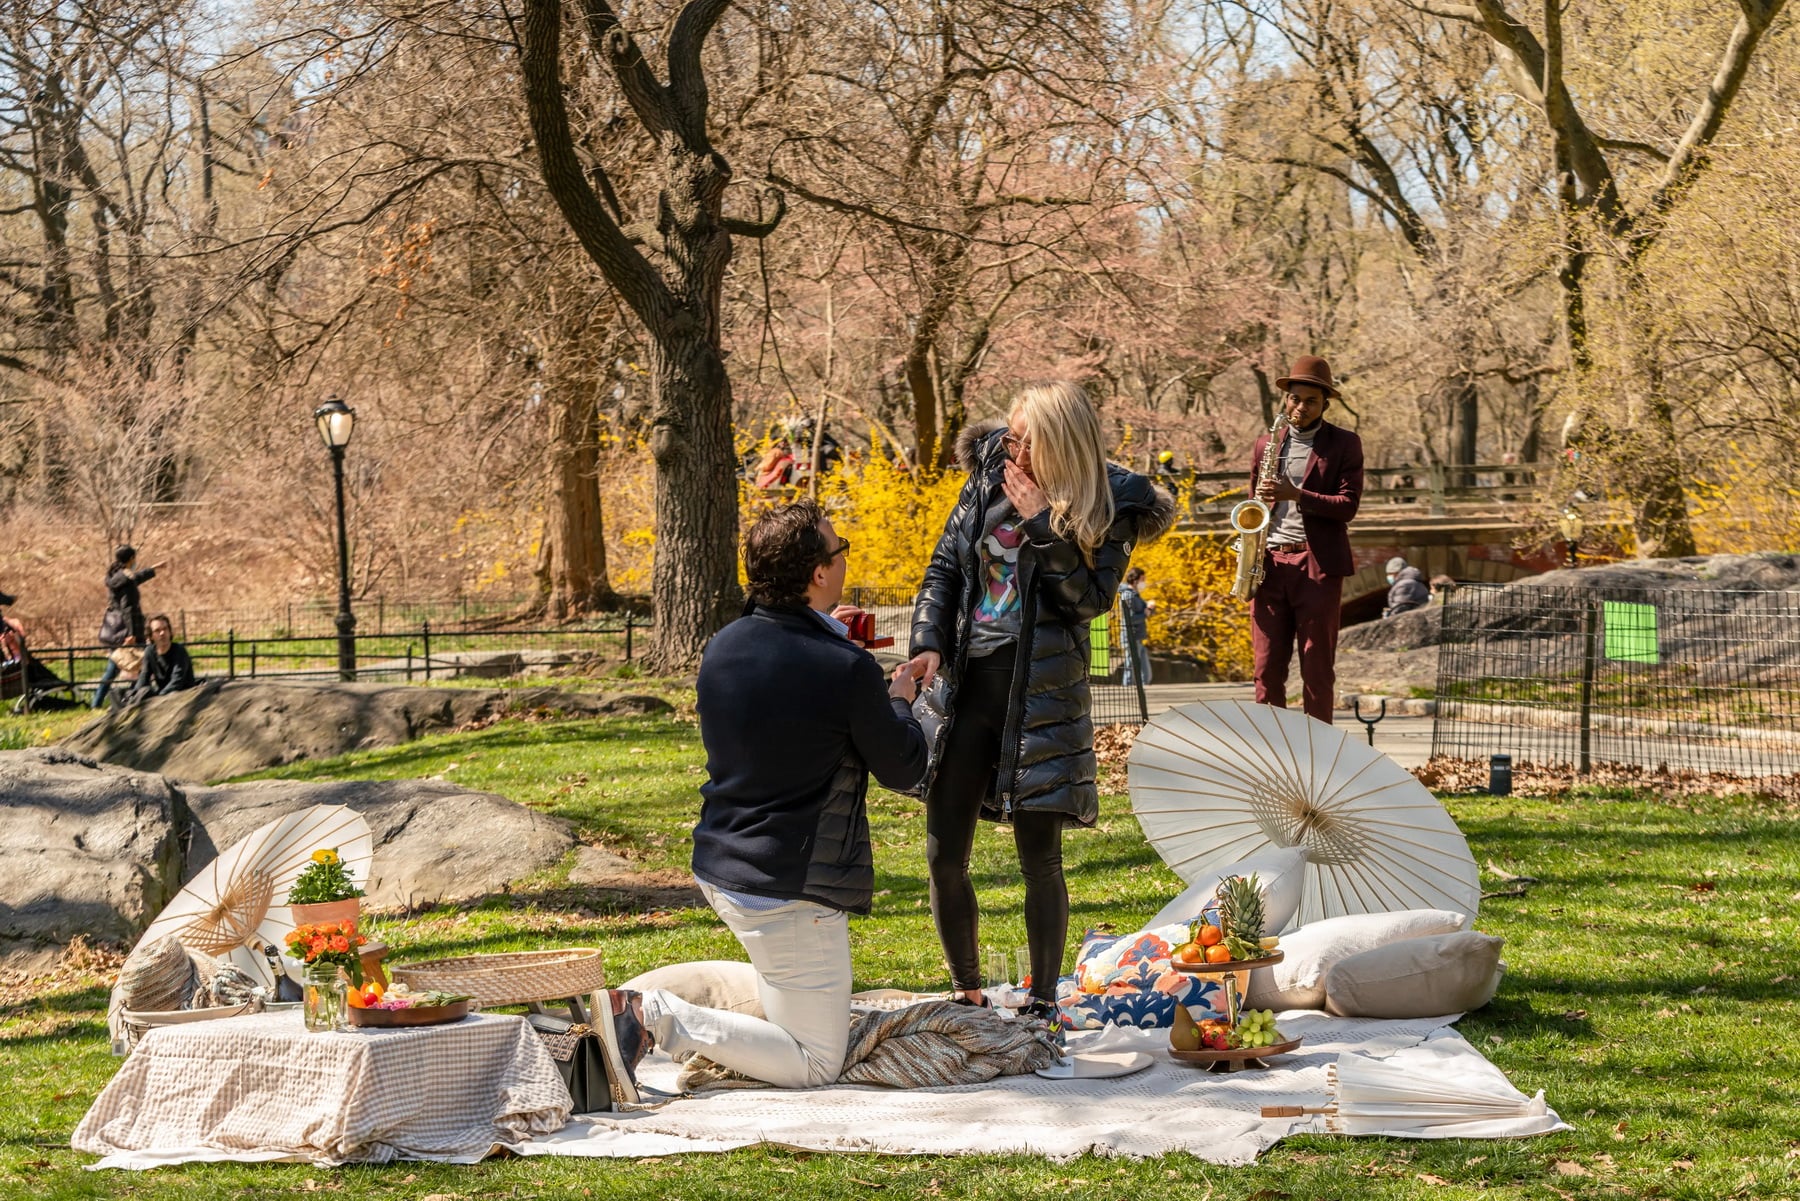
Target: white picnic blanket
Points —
{"points": [[260, 1087], [1168, 1107]]}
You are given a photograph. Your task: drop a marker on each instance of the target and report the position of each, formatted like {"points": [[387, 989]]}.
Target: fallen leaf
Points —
{"points": [[1473, 1160], [1574, 1015], [1428, 1178], [1681, 1165], [1566, 1167]]}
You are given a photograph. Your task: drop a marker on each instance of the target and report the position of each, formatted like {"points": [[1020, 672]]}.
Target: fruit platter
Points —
{"points": [[380, 1007], [1227, 940]]}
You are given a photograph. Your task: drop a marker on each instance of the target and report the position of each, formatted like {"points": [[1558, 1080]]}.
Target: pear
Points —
{"points": [[1184, 1035]]}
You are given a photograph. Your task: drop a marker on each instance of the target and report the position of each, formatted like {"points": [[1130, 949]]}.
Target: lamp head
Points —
{"points": [[336, 421], [1571, 525]]}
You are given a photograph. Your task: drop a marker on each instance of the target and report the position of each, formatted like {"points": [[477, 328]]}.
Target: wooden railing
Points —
{"points": [[1440, 489]]}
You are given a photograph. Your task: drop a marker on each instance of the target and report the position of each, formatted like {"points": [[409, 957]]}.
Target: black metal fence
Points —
{"points": [[418, 642], [1693, 680]]}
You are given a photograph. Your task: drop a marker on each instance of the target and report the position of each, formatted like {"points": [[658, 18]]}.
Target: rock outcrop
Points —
{"points": [[226, 728]]}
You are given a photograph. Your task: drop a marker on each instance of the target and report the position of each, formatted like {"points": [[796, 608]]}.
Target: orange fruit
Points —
{"points": [[1189, 952], [1211, 935], [1217, 954]]}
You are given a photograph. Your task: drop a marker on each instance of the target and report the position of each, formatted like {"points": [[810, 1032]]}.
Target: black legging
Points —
{"points": [[965, 776]]}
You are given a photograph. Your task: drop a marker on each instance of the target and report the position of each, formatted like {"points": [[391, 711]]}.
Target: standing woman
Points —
{"points": [[123, 624], [1032, 553]]}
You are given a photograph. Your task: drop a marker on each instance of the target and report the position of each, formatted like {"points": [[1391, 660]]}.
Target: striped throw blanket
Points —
{"points": [[929, 1045]]}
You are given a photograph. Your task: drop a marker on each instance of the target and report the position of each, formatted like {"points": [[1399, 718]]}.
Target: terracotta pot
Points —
{"points": [[327, 911]]}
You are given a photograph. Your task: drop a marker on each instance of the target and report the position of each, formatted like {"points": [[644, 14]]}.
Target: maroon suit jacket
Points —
{"points": [[1330, 493]]}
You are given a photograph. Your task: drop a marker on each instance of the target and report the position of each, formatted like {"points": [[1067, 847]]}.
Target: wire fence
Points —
{"points": [[419, 642], [1680, 680]]}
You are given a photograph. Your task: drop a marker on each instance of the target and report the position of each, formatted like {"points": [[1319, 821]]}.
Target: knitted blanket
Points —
{"points": [[930, 1045]]}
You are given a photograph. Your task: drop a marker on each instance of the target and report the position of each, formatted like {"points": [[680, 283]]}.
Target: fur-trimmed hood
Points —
{"points": [[1131, 492]]}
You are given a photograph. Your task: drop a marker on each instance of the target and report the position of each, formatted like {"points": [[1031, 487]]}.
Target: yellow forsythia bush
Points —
{"points": [[1189, 577], [891, 517]]}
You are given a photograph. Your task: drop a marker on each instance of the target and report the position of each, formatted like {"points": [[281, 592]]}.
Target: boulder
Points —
{"points": [[88, 849], [225, 728], [434, 841]]}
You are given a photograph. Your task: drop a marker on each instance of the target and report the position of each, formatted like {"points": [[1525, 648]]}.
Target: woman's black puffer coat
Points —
{"points": [[1047, 752]]}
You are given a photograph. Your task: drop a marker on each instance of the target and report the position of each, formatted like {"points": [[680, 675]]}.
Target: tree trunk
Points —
{"points": [[1465, 427], [693, 579], [572, 560]]}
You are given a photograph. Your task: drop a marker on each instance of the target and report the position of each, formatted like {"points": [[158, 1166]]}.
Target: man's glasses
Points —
{"points": [[843, 548]]}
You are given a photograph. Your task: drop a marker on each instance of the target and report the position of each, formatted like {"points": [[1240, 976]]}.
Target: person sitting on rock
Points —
{"points": [[167, 666], [1407, 589]]}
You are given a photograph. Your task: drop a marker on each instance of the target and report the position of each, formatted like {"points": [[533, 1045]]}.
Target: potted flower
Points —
{"points": [[330, 950], [324, 892]]}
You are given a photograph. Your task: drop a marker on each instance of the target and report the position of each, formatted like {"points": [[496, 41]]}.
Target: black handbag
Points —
{"points": [[580, 1060], [115, 627]]}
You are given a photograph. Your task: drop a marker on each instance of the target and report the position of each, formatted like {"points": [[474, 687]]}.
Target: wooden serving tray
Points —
{"points": [[1235, 1059], [1230, 965], [418, 1015]]}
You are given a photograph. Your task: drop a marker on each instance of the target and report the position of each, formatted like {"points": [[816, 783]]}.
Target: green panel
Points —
{"points": [[1100, 644], [1631, 632]]}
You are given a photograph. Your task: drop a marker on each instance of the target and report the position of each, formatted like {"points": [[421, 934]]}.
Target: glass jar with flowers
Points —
{"points": [[324, 891], [331, 952]]}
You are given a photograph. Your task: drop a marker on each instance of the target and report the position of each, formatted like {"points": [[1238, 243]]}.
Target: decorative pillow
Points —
{"points": [[711, 984], [1128, 981], [1417, 977], [1280, 872], [1298, 981]]}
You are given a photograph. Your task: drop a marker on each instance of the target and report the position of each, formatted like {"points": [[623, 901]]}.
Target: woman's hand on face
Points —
{"points": [[924, 667], [1023, 491]]}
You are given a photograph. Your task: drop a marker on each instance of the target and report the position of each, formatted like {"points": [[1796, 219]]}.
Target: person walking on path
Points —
{"points": [[794, 717], [123, 623], [1136, 611], [1034, 550], [1313, 497]]}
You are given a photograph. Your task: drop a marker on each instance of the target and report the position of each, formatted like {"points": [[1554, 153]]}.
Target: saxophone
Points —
{"points": [[1250, 518]]}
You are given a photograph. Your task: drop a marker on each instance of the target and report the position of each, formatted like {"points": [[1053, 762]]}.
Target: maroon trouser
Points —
{"points": [[1296, 601]]}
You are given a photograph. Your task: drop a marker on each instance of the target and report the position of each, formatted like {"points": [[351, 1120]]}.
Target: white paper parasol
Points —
{"points": [[1435, 1090], [1214, 783], [240, 898]]}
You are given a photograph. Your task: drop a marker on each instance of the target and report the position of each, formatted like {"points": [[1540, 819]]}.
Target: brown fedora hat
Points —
{"points": [[1309, 369]]}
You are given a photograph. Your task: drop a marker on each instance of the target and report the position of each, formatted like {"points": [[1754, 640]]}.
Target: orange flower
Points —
{"points": [[340, 943]]}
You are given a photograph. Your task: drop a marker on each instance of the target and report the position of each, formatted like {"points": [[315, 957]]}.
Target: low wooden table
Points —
{"points": [[262, 1087]]}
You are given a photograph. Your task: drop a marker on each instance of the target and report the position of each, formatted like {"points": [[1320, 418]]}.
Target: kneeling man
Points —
{"points": [[794, 717]]}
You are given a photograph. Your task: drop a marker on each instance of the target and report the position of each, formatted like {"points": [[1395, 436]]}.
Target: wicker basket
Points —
{"points": [[509, 978]]}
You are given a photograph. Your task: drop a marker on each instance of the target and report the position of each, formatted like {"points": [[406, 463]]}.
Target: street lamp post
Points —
{"points": [[1571, 526], [336, 420]]}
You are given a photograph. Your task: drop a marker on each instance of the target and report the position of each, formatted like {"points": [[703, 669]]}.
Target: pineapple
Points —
{"points": [[1241, 916]]}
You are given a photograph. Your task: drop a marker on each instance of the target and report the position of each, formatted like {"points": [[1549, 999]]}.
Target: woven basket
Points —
{"points": [[509, 978]]}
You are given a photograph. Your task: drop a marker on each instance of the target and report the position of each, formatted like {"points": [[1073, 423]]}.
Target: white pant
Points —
{"points": [[801, 952]]}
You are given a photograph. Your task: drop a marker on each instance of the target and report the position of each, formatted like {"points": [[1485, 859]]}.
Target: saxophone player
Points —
{"points": [[1312, 497]]}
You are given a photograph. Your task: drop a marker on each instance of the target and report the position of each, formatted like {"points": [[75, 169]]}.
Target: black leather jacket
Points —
{"points": [[1047, 751]]}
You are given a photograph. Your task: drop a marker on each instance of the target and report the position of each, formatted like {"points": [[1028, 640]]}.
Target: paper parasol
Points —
{"points": [[240, 898], [1434, 1090], [1214, 783]]}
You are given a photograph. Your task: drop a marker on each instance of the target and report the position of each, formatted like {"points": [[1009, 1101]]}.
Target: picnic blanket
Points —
{"points": [[1168, 1107], [932, 1044]]}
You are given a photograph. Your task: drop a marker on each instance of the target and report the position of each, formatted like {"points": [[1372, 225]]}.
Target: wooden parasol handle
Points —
{"points": [[1294, 1111]]}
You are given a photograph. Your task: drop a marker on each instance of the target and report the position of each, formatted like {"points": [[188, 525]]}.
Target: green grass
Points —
{"points": [[1652, 994]]}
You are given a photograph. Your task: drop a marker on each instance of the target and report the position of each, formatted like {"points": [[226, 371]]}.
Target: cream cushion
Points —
{"points": [[1298, 981], [710, 984], [1417, 977], [1280, 875]]}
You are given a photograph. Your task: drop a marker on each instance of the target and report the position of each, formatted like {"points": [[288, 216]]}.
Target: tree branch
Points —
{"points": [[738, 227], [1632, 147], [1734, 63], [619, 261], [647, 97], [687, 82], [1449, 12]]}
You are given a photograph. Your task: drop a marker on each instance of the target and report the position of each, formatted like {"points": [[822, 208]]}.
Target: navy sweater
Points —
{"points": [[794, 717]]}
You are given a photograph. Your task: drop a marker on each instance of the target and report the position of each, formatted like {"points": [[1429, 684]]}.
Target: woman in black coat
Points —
{"points": [[1032, 553], [123, 624]]}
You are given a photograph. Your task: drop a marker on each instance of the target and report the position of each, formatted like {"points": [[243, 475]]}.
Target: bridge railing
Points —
{"points": [[1439, 488]]}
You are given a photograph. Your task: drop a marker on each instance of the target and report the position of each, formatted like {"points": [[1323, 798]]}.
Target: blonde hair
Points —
{"points": [[1068, 460]]}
